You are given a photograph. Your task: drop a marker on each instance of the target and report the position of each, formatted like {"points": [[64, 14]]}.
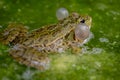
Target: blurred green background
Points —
{"points": [[101, 58]]}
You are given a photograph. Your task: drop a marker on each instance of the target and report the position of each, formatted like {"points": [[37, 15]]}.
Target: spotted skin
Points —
{"points": [[33, 48]]}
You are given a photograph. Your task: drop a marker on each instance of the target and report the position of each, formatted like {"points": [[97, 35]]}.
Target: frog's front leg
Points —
{"points": [[75, 47], [30, 56], [14, 33]]}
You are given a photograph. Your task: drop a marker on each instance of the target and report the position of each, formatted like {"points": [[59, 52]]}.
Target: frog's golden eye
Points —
{"points": [[82, 21]]}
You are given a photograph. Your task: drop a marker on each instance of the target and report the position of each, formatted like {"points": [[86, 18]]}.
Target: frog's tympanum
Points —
{"points": [[33, 48]]}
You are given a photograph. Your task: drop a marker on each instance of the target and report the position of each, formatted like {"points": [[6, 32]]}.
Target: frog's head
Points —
{"points": [[82, 19], [82, 24], [86, 19], [82, 28]]}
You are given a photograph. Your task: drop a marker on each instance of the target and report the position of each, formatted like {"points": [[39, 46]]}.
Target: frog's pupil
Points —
{"points": [[82, 21]]}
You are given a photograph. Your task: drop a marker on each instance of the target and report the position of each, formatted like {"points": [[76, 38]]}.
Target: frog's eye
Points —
{"points": [[82, 31], [62, 13], [82, 21]]}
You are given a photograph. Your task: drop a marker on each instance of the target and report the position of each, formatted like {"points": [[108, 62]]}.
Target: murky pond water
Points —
{"points": [[100, 59]]}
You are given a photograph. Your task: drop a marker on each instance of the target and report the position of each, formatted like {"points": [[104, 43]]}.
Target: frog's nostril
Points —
{"points": [[82, 21]]}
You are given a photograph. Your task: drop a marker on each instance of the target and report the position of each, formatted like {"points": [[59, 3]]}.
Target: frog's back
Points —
{"points": [[50, 33]]}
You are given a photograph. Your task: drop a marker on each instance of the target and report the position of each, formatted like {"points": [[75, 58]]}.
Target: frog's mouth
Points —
{"points": [[82, 32]]}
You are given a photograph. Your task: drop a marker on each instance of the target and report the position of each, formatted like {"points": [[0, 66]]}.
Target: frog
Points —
{"points": [[33, 48]]}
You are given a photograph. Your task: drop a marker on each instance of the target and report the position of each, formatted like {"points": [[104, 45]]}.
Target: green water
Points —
{"points": [[101, 60]]}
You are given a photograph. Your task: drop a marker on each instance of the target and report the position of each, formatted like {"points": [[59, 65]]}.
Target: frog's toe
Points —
{"points": [[76, 50]]}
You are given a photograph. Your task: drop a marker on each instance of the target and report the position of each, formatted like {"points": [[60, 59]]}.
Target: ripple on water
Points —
{"points": [[95, 50], [103, 40], [28, 74]]}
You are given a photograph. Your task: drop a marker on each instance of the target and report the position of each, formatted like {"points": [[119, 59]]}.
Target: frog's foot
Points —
{"points": [[75, 46], [76, 50], [14, 33], [30, 57]]}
